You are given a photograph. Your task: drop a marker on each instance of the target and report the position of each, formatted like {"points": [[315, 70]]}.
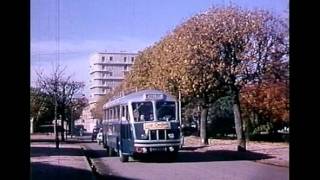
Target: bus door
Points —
{"points": [[126, 140], [125, 132]]}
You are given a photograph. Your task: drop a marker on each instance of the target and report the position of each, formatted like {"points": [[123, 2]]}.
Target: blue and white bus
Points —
{"points": [[140, 123]]}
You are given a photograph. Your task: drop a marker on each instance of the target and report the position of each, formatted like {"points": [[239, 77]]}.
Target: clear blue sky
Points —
{"points": [[88, 26]]}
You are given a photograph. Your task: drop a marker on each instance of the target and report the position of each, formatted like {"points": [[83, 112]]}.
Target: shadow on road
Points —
{"points": [[45, 171], [52, 151], [220, 155], [217, 155], [41, 170], [68, 141], [96, 153], [108, 177], [192, 148]]}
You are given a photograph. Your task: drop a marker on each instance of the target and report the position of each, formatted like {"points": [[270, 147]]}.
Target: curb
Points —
{"points": [[271, 163], [89, 164], [95, 171]]}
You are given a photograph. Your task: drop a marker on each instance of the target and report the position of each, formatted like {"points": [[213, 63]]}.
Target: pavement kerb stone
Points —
{"points": [[95, 168], [90, 162], [273, 163], [87, 159]]}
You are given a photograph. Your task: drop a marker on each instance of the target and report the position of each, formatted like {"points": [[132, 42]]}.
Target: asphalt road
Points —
{"points": [[189, 165]]}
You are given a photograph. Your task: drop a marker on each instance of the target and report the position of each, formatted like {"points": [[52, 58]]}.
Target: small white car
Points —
{"points": [[99, 138]]}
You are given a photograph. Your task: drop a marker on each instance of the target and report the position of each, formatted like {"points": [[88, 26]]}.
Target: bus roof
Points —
{"points": [[144, 95]]}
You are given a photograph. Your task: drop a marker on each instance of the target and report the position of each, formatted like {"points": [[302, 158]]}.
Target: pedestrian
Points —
{"points": [[81, 131]]}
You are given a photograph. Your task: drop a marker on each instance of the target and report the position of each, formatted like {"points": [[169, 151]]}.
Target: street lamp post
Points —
{"points": [[72, 121], [56, 123]]}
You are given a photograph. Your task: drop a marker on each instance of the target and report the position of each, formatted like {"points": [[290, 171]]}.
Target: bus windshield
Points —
{"points": [[166, 110], [142, 111]]}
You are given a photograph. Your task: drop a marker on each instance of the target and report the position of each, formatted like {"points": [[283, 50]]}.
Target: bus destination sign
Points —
{"points": [[156, 125], [153, 96]]}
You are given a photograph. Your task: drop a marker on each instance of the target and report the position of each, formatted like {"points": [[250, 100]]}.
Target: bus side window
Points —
{"points": [[108, 114], [127, 113], [123, 112], [118, 112], [114, 113]]}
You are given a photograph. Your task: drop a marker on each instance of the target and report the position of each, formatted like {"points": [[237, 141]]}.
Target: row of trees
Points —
{"points": [[242, 54], [54, 97]]}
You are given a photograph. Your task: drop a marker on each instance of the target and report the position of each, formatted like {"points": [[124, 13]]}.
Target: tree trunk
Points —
{"points": [[249, 126], [203, 124], [36, 120], [238, 123]]}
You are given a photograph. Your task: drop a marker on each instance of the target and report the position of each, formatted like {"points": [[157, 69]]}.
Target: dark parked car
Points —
{"points": [[94, 133], [189, 128]]}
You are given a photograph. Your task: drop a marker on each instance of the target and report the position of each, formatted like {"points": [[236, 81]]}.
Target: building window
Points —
{"points": [[125, 59], [110, 73], [102, 58], [132, 59], [125, 67], [110, 58]]}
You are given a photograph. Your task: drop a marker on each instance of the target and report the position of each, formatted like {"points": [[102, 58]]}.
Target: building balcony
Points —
{"points": [[98, 70], [100, 86], [109, 78], [116, 63]]}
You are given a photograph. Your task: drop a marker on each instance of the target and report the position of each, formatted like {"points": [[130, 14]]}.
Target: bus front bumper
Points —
{"points": [[157, 147]]}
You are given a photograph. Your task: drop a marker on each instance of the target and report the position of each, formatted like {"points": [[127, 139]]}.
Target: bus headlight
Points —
{"points": [[171, 149], [171, 136], [144, 136]]}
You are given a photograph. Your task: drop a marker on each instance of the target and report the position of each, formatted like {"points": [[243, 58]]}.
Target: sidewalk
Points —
{"points": [[48, 163], [278, 152]]}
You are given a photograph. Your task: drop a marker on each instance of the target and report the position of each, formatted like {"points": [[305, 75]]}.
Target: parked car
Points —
{"points": [[99, 137], [189, 128], [95, 132]]}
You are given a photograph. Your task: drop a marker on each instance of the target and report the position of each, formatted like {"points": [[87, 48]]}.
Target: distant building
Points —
{"points": [[107, 70], [87, 120]]}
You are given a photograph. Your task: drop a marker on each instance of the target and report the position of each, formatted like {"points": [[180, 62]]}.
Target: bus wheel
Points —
{"points": [[107, 149], [123, 158], [110, 151], [173, 156]]}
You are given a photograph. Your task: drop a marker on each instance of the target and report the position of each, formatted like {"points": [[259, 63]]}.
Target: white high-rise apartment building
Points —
{"points": [[107, 70]]}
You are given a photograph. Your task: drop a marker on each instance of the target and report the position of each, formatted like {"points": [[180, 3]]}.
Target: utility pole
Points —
{"points": [[71, 121], [180, 108], [180, 120], [55, 116], [57, 75]]}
